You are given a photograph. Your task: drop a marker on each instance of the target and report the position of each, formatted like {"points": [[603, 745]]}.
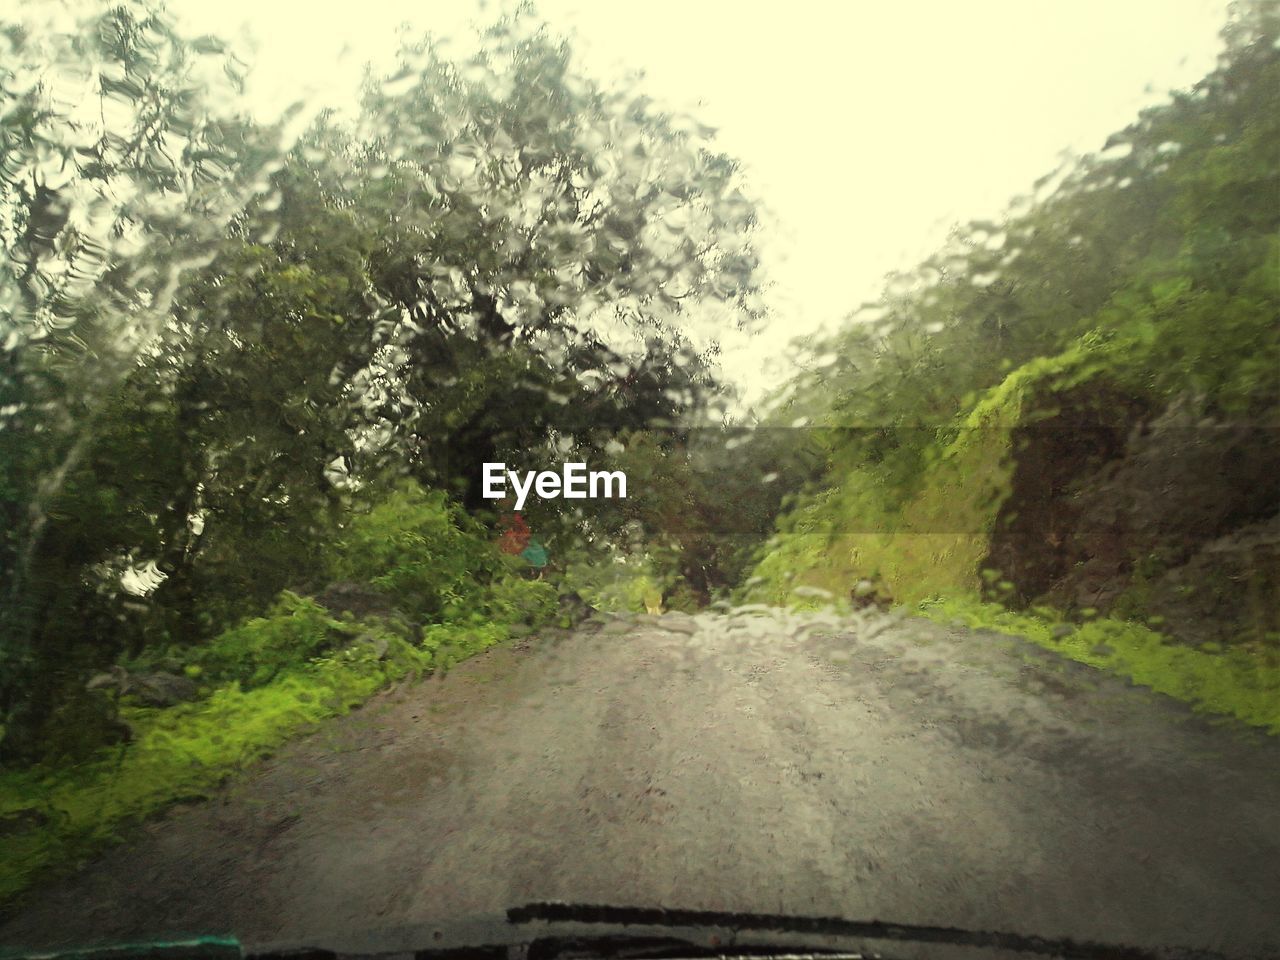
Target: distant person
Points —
{"points": [[536, 555], [513, 534]]}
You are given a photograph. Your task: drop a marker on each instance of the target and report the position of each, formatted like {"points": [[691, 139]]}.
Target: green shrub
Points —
{"points": [[513, 599], [449, 643], [55, 815], [295, 630], [427, 555], [682, 598], [270, 677], [1243, 684], [615, 583]]}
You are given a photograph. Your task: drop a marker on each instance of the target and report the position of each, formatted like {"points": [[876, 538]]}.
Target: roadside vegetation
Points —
{"points": [[429, 589], [1071, 415], [249, 372], [1237, 682]]}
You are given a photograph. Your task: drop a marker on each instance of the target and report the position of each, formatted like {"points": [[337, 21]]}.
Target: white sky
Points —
{"points": [[867, 128]]}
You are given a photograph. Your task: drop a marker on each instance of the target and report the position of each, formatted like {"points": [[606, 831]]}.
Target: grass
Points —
{"points": [[1243, 682], [52, 818], [961, 488]]}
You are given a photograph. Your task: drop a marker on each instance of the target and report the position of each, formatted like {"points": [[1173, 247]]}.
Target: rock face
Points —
{"points": [[573, 607], [376, 646], [156, 689], [162, 689], [1038, 541], [870, 593], [1228, 590], [1175, 516], [358, 599]]}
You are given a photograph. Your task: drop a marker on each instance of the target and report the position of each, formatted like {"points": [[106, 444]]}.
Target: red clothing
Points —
{"points": [[514, 536]]}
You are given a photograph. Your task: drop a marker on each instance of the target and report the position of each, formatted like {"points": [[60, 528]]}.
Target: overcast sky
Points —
{"points": [[866, 128]]}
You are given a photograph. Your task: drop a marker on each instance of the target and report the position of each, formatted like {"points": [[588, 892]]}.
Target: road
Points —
{"points": [[867, 767]]}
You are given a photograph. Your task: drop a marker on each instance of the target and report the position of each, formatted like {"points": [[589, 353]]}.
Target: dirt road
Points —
{"points": [[868, 768]]}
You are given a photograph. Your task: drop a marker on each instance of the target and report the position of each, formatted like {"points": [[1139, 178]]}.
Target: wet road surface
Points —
{"points": [[865, 767]]}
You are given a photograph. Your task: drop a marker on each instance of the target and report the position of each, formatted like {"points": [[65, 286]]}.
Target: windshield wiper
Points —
{"points": [[745, 924], [565, 931]]}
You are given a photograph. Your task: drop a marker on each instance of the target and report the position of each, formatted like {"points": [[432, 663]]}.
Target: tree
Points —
{"points": [[115, 179], [274, 336]]}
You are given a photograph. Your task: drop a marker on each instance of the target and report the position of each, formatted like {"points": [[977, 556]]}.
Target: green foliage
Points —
{"points": [[682, 598], [575, 180], [220, 354], [207, 377], [513, 599], [449, 644], [614, 583], [270, 677], [436, 563], [711, 493], [429, 557], [295, 630], [1244, 684], [103, 218], [58, 814], [1149, 274]]}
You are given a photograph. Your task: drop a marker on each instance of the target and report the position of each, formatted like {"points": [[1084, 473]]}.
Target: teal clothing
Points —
{"points": [[535, 554]]}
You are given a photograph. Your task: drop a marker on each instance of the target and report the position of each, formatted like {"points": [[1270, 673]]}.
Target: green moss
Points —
{"points": [[55, 817], [449, 644], [1243, 684], [272, 677], [293, 631], [965, 481], [927, 535]]}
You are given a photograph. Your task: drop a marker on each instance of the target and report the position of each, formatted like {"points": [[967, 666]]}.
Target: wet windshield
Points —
{"points": [[818, 460]]}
